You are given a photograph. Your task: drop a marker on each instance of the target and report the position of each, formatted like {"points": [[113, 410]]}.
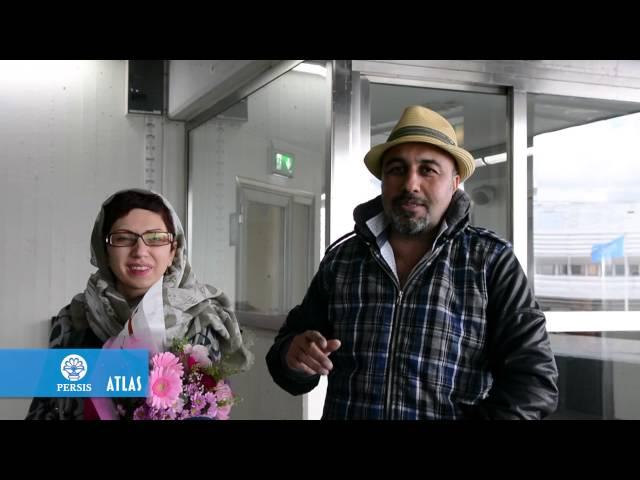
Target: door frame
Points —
{"points": [[248, 189]]}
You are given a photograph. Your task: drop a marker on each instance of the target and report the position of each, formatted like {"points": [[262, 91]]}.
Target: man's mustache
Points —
{"points": [[409, 197]]}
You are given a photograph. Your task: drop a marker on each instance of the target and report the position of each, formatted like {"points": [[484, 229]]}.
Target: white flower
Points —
{"points": [[200, 354]]}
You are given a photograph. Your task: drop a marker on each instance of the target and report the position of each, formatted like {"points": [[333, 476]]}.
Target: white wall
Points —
{"points": [[261, 398], [66, 145]]}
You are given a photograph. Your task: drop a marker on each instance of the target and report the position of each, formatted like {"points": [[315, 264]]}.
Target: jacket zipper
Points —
{"points": [[389, 368], [396, 314], [389, 373]]}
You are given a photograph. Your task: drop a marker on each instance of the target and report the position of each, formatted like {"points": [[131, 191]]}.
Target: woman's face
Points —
{"points": [[138, 267]]}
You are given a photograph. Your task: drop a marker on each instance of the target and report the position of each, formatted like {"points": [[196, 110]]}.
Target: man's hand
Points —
{"points": [[309, 352]]}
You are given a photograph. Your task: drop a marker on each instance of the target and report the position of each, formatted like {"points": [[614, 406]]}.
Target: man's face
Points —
{"points": [[418, 181]]}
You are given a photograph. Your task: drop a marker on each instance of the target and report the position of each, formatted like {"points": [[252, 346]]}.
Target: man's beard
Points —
{"points": [[405, 222]]}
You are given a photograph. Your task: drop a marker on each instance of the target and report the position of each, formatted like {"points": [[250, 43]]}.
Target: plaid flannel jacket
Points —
{"points": [[464, 338]]}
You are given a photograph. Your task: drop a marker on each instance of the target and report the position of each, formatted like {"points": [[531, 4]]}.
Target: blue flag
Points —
{"points": [[608, 251]]}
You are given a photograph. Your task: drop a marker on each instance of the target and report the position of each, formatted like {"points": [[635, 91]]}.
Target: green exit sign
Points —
{"points": [[283, 164]]}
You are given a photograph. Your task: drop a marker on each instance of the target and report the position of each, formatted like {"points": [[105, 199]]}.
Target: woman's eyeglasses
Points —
{"points": [[129, 239]]}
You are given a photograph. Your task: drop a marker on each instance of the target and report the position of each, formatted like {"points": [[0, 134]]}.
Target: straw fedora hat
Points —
{"points": [[419, 124]]}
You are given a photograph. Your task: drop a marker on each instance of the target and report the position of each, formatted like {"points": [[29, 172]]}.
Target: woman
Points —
{"points": [[137, 239]]}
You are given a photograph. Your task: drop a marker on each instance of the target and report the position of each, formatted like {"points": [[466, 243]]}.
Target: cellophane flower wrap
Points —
{"points": [[185, 381]]}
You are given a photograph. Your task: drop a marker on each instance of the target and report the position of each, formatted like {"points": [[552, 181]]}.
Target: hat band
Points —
{"points": [[424, 131]]}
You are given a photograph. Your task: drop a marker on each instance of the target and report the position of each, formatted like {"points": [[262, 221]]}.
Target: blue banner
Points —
{"points": [[59, 372], [608, 251]]}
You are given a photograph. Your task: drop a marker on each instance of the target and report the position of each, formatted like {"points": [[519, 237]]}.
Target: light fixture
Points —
{"points": [[39, 72], [312, 69]]}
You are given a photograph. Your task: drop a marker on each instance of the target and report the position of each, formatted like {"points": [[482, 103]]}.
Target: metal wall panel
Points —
{"points": [[66, 145]]}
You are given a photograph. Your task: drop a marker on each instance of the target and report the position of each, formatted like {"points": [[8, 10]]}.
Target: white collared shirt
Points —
{"points": [[378, 226]]}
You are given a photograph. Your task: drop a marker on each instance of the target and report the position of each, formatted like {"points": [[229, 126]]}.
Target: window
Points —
{"points": [[584, 200], [545, 269]]}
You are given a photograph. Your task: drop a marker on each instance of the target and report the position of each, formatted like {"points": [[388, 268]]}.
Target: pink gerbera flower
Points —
{"points": [[165, 386], [169, 362]]}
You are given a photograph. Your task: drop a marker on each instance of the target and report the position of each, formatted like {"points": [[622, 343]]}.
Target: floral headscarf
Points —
{"points": [[192, 309]]}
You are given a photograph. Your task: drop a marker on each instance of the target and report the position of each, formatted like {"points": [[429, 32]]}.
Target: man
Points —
{"points": [[419, 315]]}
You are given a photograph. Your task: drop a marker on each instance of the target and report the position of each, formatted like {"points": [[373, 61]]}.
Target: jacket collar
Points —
{"points": [[456, 216]]}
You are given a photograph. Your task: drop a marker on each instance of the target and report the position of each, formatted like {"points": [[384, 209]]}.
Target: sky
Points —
{"points": [[587, 178], [594, 163]]}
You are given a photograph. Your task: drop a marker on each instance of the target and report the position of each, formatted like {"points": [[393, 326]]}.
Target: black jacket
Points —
{"points": [[464, 339]]}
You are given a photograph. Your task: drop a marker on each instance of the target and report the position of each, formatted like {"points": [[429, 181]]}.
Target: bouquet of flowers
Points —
{"points": [[185, 383]]}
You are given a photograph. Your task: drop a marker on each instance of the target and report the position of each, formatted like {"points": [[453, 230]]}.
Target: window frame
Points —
{"points": [[519, 82]]}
